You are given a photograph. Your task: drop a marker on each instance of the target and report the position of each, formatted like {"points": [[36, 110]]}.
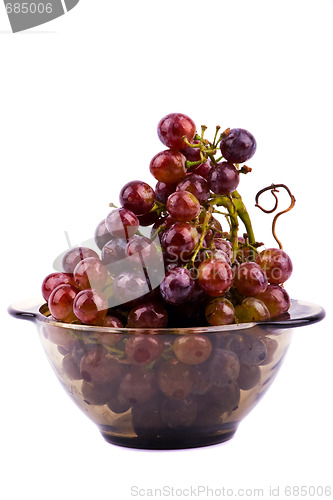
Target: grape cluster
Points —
{"points": [[164, 259]]}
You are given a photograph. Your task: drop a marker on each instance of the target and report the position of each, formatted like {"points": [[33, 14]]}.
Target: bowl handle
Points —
{"points": [[28, 309]]}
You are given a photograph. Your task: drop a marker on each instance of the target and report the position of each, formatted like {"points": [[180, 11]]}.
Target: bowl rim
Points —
{"points": [[301, 313]]}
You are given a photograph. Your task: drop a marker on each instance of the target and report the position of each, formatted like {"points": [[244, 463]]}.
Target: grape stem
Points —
{"points": [[205, 227]]}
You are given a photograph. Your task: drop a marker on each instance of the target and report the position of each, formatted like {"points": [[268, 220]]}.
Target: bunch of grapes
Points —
{"points": [[165, 260]]}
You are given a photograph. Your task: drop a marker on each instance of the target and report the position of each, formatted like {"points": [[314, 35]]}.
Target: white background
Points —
{"points": [[80, 99]]}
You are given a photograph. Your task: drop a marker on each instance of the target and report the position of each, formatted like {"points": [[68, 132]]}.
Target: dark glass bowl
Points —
{"points": [[167, 388]]}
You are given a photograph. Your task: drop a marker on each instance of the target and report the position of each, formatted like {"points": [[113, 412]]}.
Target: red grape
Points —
{"points": [[250, 279], [102, 235], [168, 166], [90, 273], [96, 367], [223, 178], [276, 300], [141, 350], [73, 257], [122, 223], [214, 277], [174, 379], [192, 349], [138, 197], [180, 240], [114, 250], [148, 315], [238, 146], [173, 127], [220, 311], [61, 303], [90, 307], [183, 206], [251, 309], [177, 285], [276, 264], [53, 280], [191, 154], [163, 191], [197, 185]]}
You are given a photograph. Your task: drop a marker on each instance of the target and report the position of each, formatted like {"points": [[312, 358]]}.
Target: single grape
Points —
{"points": [[90, 273], [146, 419], [148, 219], [222, 244], [276, 264], [163, 191], [138, 197], [98, 394], [150, 314], [141, 250], [179, 414], [96, 367], [251, 309], [250, 279], [114, 251], [129, 286], [168, 166], [62, 337], [174, 379], [224, 367], [249, 376], [61, 303], [192, 349], [201, 382], [53, 280], [141, 350], [90, 307], [238, 146], [197, 185], [271, 346], [191, 154], [177, 286], [122, 223], [276, 299], [214, 277], [183, 206], [137, 386], [203, 169], [102, 235], [117, 405], [224, 398], [219, 311], [180, 240], [74, 256], [250, 349], [223, 178], [71, 368], [173, 127]]}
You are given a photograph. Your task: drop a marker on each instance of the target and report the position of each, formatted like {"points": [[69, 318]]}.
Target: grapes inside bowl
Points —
{"points": [[171, 322], [167, 388]]}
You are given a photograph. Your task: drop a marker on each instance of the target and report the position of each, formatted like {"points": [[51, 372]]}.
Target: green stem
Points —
{"points": [[229, 204], [205, 227], [244, 216]]}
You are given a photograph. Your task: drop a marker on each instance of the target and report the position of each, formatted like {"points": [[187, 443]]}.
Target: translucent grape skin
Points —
{"points": [[148, 315], [197, 185], [214, 277], [238, 146], [183, 206], [168, 166], [276, 300], [90, 307], [224, 367], [223, 178], [251, 309], [61, 303], [173, 127], [219, 311], [192, 349], [177, 286], [90, 273], [73, 257], [277, 265], [138, 197], [250, 279], [141, 350], [53, 280], [122, 223], [102, 235]]}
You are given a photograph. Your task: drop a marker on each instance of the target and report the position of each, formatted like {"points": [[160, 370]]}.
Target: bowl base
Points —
{"points": [[168, 442]]}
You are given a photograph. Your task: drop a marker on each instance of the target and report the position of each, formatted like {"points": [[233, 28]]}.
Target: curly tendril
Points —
{"points": [[273, 189]]}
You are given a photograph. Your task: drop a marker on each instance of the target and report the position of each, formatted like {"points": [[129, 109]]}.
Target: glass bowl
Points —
{"points": [[167, 388]]}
